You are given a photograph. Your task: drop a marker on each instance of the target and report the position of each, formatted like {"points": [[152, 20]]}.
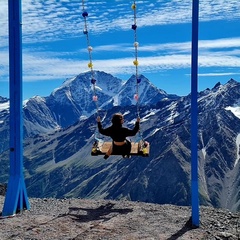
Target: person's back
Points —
{"points": [[118, 133]]}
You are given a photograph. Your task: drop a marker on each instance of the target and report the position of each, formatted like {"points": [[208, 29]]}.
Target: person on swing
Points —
{"points": [[118, 133]]}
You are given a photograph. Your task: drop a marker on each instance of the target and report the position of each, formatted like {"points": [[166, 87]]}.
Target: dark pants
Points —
{"points": [[122, 150]]}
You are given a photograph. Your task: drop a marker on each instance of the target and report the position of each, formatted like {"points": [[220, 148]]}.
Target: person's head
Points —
{"points": [[117, 119]]}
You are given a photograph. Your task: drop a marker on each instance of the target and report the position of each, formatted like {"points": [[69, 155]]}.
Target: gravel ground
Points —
{"points": [[60, 219]]}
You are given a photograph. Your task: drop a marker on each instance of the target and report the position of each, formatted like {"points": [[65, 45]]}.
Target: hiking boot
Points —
{"points": [[106, 156]]}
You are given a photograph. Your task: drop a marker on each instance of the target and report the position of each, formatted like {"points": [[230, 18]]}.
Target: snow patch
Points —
{"points": [[25, 102], [97, 88], [126, 113], [237, 144], [204, 152], [4, 106], [155, 130], [149, 114], [115, 100], [235, 110]]}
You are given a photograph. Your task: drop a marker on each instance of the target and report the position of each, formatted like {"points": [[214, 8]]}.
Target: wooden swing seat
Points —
{"points": [[137, 149]]}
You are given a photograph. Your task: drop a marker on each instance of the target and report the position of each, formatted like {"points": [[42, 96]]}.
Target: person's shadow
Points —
{"points": [[91, 214]]}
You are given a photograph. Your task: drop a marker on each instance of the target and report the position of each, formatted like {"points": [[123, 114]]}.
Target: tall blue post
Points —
{"points": [[16, 197], [194, 114]]}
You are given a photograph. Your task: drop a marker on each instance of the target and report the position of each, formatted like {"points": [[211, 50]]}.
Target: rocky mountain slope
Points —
{"points": [[59, 164]]}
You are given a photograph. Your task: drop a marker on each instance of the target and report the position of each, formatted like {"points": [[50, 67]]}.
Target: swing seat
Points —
{"points": [[137, 149]]}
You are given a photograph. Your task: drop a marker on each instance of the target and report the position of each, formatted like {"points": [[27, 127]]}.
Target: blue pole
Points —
{"points": [[194, 114], [16, 197]]}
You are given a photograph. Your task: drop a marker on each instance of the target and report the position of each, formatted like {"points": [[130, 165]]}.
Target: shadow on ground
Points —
{"points": [[91, 214], [186, 227]]}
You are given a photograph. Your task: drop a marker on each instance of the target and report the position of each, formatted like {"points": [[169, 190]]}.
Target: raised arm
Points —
{"points": [[106, 132]]}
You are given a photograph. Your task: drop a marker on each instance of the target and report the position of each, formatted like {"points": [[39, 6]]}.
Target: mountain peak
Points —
{"points": [[217, 85], [230, 83], [75, 98]]}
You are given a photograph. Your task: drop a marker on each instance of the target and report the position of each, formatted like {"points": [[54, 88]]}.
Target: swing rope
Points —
{"points": [[90, 49], [135, 62], [90, 64]]}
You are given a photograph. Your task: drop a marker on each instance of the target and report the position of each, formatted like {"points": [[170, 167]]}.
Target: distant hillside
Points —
{"points": [[58, 164]]}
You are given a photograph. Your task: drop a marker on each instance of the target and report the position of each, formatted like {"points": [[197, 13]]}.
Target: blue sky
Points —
{"points": [[55, 48]]}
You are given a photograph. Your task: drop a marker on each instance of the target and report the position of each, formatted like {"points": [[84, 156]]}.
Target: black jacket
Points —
{"points": [[118, 133]]}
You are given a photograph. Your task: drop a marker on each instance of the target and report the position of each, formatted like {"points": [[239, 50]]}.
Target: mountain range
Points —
{"points": [[74, 100], [59, 131]]}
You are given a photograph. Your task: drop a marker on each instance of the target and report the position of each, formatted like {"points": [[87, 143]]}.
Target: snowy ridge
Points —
{"points": [[238, 149], [74, 99]]}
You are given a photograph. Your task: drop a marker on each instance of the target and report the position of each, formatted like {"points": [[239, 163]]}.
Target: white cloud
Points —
{"points": [[55, 65], [214, 74], [220, 43], [51, 20], [54, 19]]}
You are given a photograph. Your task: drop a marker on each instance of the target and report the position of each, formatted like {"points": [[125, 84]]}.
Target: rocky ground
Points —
{"points": [[60, 219]]}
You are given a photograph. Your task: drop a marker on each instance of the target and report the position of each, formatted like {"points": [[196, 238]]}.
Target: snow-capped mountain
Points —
{"points": [[60, 165], [74, 100]]}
